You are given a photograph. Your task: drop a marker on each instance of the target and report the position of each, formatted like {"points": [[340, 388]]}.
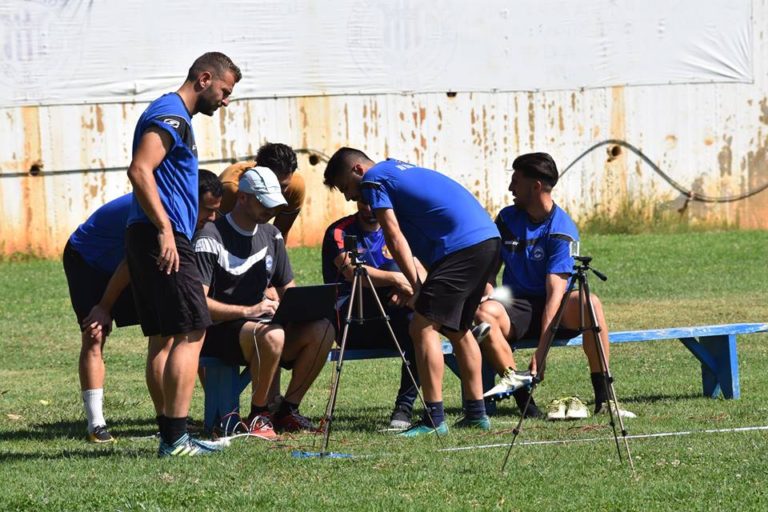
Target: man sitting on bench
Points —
{"points": [[537, 242], [386, 276], [239, 256]]}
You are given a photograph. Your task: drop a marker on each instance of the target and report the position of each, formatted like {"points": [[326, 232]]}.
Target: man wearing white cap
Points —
{"points": [[239, 256]]}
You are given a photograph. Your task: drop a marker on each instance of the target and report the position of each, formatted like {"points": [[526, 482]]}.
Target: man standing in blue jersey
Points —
{"points": [[538, 243], [97, 275], [391, 284], [166, 284], [426, 214]]}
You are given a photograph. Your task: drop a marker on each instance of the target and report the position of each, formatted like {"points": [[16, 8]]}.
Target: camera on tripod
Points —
{"points": [[350, 246]]}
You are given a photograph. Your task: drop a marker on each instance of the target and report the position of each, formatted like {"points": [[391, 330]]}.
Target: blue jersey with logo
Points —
{"points": [[177, 174], [531, 250], [100, 240], [437, 215]]}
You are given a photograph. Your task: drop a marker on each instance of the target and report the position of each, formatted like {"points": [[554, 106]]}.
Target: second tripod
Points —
{"points": [[579, 277]]}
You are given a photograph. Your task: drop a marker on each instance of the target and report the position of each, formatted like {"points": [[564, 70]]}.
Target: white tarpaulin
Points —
{"points": [[74, 51]]}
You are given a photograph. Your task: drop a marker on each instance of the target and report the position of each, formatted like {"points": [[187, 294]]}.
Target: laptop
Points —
{"points": [[304, 304]]}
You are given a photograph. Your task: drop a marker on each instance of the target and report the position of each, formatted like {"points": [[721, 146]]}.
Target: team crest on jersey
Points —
{"points": [[173, 122], [268, 263], [385, 252], [537, 254]]}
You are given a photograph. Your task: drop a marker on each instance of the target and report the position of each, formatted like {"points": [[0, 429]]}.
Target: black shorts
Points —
{"points": [[86, 287], [373, 333], [455, 284], [525, 318], [167, 304]]}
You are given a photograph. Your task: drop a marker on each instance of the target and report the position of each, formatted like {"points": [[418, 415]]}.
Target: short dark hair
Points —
{"points": [[341, 161], [215, 62], [539, 166], [280, 158], [208, 182]]}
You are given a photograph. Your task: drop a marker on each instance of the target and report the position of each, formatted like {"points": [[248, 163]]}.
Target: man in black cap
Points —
{"points": [[539, 241]]}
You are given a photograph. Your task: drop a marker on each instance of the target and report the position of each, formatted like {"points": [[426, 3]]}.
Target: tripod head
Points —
{"points": [[582, 266], [350, 246]]}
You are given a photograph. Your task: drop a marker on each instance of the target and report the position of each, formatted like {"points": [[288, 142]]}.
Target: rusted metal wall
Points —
{"points": [[710, 138]]}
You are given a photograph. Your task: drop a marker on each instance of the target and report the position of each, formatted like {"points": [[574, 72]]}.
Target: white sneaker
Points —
{"points": [[510, 382], [556, 410], [617, 411], [481, 331], [576, 409]]}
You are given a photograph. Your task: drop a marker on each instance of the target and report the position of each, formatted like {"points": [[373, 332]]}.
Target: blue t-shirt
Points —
{"points": [[437, 215], [530, 250], [177, 174], [370, 246], [100, 240]]}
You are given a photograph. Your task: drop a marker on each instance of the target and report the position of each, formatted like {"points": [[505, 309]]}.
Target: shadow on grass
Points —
{"points": [[87, 452], [76, 429]]}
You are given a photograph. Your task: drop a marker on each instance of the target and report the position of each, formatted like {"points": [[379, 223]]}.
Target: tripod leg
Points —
{"points": [[585, 301], [540, 365], [331, 407], [406, 363]]}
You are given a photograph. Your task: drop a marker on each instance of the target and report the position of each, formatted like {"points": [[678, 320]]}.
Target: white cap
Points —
{"points": [[262, 183]]}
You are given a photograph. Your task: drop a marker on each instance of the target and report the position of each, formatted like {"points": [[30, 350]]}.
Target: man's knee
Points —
{"points": [[273, 341]]}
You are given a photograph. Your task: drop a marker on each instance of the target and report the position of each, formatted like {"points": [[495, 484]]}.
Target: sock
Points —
{"points": [[93, 400], [599, 382], [434, 415], [474, 409], [161, 425], [175, 428], [287, 407], [257, 410]]}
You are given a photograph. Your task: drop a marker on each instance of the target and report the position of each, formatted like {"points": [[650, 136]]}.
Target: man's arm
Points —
{"points": [[556, 284], [284, 222], [100, 316], [383, 278], [221, 312], [153, 146], [399, 247]]}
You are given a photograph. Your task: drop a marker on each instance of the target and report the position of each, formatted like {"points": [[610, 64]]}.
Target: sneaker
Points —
{"points": [[533, 411], [483, 423], [421, 428], [556, 410], [511, 381], [261, 427], [602, 409], [185, 446], [576, 409], [293, 422], [481, 331], [100, 435], [400, 418]]}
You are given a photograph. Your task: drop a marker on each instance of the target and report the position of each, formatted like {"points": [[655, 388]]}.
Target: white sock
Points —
{"points": [[93, 400]]}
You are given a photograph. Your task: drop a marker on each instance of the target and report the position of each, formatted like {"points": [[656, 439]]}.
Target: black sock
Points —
{"points": [[161, 419], [599, 383], [287, 407], [175, 428], [434, 415], [257, 410], [474, 409]]}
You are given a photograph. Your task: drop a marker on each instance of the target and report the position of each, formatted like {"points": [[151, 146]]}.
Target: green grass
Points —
{"points": [[654, 281]]}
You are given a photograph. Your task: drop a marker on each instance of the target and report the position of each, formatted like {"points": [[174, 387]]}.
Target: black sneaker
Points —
{"points": [[100, 435], [400, 418]]}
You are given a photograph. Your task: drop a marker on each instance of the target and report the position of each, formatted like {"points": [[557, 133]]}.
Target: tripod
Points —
{"points": [[356, 300], [579, 276]]}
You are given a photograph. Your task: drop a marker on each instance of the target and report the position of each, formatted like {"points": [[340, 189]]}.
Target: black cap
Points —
{"points": [[539, 166]]}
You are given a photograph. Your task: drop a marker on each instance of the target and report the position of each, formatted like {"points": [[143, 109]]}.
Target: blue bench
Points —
{"points": [[713, 345]]}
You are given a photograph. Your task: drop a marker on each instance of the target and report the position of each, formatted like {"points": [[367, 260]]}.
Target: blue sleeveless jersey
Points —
{"points": [[177, 174], [437, 215], [100, 240]]}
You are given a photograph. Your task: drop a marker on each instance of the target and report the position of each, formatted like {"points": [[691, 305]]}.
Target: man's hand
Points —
{"points": [[168, 261], [266, 307], [402, 285], [271, 294], [411, 303], [98, 324], [533, 366]]}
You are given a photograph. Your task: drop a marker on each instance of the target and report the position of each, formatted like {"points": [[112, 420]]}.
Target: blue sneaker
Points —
{"points": [[422, 428], [483, 423], [185, 446]]}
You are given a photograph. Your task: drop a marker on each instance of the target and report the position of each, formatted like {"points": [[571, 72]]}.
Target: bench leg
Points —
{"points": [[223, 385], [719, 364], [489, 377]]}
